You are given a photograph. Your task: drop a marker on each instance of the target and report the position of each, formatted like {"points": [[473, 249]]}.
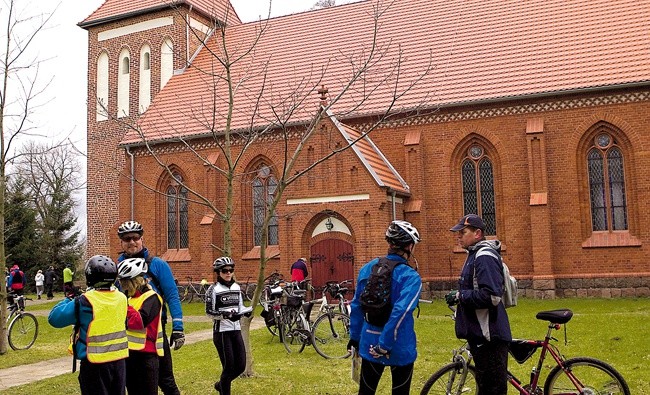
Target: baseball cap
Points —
{"points": [[472, 220]]}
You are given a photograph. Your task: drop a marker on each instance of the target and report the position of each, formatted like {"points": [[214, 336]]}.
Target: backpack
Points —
{"points": [[17, 278], [375, 299], [510, 289]]}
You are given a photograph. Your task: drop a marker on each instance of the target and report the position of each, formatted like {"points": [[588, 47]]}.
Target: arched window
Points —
{"points": [[145, 79], [177, 214], [123, 84], [102, 87], [478, 186], [263, 187], [606, 184]]}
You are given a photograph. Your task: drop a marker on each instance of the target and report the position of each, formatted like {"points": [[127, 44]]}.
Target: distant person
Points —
{"points": [[99, 341], [39, 279], [68, 276], [50, 278], [299, 270], [17, 280]]}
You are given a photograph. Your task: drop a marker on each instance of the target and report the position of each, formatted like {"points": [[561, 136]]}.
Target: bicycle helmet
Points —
{"points": [[402, 233], [101, 272], [130, 227], [131, 267], [223, 262]]}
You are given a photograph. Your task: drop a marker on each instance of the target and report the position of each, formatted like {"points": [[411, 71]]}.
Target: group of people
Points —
{"points": [[120, 335], [120, 321], [481, 317], [17, 281]]}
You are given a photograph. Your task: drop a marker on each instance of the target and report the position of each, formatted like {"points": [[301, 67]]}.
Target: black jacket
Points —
{"points": [[50, 277]]}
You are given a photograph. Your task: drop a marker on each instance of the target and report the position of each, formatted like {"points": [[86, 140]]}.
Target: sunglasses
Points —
{"points": [[227, 270], [128, 239]]}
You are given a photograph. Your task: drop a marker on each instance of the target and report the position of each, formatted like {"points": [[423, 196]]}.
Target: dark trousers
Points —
{"points": [[166, 380], [232, 355], [48, 290], [491, 361], [371, 373], [102, 378], [68, 289], [142, 373]]}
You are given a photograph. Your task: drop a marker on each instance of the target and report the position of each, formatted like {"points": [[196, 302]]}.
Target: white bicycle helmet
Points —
{"points": [[130, 227], [223, 262], [402, 233], [131, 267]]}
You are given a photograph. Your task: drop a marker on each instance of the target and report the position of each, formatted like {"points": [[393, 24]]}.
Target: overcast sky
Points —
{"points": [[64, 48]]}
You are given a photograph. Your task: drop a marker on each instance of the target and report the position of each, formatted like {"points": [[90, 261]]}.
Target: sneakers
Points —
{"points": [[217, 387]]}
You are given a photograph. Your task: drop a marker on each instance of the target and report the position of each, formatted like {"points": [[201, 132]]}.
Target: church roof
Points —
{"points": [[479, 51], [117, 9]]}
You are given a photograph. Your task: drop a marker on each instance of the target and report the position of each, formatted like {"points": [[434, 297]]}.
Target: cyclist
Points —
{"points": [[17, 281], [99, 313], [394, 344], [224, 304], [143, 327], [481, 317], [162, 281]]}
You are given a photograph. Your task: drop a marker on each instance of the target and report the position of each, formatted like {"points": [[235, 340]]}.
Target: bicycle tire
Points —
{"points": [[330, 335], [598, 377], [182, 293], [294, 335], [449, 377], [250, 292], [22, 331]]}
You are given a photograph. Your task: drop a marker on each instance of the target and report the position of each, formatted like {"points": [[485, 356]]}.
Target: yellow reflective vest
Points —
{"points": [[106, 339], [138, 337]]}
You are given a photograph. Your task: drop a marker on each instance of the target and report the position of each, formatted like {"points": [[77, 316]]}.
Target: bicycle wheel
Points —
{"points": [[594, 376], [250, 291], [23, 330], [182, 293], [294, 335], [448, 379], [330, 335]]}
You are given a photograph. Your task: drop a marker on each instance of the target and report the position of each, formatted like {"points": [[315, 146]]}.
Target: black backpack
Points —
{"points": [[17, 278], [375, 299]]}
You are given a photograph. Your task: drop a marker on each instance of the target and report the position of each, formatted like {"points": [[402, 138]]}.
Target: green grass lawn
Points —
{"points": [[614, 330]]}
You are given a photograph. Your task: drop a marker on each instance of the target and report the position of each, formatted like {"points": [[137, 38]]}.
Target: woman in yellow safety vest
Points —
{"points": [[143, 328], [99, 339]]}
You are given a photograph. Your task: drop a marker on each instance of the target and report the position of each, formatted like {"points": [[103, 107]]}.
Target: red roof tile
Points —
{"points": [[480, 50], [118, 8]]}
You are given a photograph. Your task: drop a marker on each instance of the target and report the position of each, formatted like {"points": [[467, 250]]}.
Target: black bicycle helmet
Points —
{"points": [[131, 268], [130, 227], [402, 233], [100, 271], [222, 262]]}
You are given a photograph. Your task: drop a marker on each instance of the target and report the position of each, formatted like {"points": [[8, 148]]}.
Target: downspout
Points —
{"points": [[128, 152], [392, 201]]}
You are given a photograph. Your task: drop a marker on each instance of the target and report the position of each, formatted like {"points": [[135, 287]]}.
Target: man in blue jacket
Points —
{"points": [[481, 317], [394, 343], [162, 281]]}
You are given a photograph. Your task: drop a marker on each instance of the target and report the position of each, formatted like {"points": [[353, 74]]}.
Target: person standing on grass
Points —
{"points": [[68, 286], [224, 304], [143, 328], [481, 317], [17, 280], [39, 280], [50, 278], [162, 281], [394, 343], [99, 340]]}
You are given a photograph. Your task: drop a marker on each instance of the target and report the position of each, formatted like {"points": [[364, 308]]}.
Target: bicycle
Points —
{"points": [[247, 290], [22, 328], [294, 327], [271, 304], [190, 290], [331, 331], [577, 376]]}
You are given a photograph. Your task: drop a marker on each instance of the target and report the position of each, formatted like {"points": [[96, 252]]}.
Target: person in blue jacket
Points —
{"points": [[481, 317], [394, 344], [162, 281]]}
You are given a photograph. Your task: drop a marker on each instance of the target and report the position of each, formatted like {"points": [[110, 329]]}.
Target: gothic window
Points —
{"points": [[606, 184], [263, 187], [177, 214], [478, 187]]}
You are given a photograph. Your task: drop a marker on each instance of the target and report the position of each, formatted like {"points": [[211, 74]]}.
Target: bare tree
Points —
{"points": [[272, 116], [19, 96], [323, 4]]}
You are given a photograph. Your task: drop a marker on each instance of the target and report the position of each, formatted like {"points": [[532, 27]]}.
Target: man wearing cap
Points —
{"points": [[481, 317]]}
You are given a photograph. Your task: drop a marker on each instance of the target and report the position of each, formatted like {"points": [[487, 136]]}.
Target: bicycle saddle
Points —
{"points": [[561, 316]]}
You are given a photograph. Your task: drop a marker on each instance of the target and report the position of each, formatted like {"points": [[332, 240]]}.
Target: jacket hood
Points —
{"points": [[494, 244]]}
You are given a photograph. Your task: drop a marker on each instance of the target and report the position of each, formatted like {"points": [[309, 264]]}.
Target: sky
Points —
{"points": [[63, 46]]}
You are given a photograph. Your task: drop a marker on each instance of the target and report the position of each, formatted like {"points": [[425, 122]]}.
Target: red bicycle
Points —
{"points": [[573, 376]]}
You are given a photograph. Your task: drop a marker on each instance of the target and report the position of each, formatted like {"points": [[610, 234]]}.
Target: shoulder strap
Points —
{"points": [[153, 278], [75, 333]]}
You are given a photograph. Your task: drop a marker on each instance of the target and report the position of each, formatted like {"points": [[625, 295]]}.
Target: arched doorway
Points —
{"points": [[331, 252]]}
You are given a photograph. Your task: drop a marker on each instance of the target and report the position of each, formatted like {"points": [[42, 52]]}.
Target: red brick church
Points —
{"points": [[535, 115]]}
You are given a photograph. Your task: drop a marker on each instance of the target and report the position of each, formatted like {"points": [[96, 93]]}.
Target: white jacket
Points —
{"points": [[221, 300]]}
